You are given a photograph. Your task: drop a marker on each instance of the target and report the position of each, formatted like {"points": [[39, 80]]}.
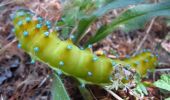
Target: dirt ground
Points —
{"points": [[20, 79]]}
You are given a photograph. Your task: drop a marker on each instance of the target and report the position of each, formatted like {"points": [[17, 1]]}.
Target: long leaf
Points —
{"points": [[133, 18], [58, 90], [86, 21]]}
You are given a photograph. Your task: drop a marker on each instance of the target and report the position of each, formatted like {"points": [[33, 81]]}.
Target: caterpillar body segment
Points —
{"points": [[143, 62], [41, 42]]}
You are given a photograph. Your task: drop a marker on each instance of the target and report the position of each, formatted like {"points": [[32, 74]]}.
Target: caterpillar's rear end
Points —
{"points": [[38, 39]]}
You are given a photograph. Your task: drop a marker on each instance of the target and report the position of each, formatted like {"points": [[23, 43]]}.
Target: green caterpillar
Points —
{"points": [[37, 39]]}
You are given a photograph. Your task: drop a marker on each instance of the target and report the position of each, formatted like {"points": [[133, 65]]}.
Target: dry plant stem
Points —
{"points": [[88, 30], [2, 97], [7, 46], [163, 64], [115, 12], [43, 81], [92, 94], [134, 94], [6, 3], [159, 70], [114, 95], [145, 37], [73, 30]]}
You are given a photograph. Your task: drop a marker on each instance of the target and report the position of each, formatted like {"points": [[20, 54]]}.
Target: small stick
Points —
{"points": [[7, 46], [134, 94], [6, 3], [114, 94], [73, 30], [43, 81], [146, 35], [115, 12], [2, 97]]}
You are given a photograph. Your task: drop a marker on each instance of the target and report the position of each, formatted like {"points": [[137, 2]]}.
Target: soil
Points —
{"points": [[22, 80]]}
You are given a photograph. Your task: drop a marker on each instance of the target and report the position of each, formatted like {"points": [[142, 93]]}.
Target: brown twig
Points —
{"points": [[114, 94], [146, 36], [7, 46], [43, 81], [6, 3]]}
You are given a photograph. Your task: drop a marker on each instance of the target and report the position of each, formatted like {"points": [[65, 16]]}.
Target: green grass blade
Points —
{"points": [[86, 21], [114, 5], [85, 93], [133, 18], [58, 90]]}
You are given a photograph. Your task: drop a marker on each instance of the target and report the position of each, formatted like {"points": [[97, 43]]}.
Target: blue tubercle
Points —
{"points": [[152, 55], [144, 50], [21, 14], [13, 30], [128, 66], [114, 63], [38, 26], [81, 48], [36, 49], [47, 23], [89, 46], [117, 56], [48, 26], [69, 47], [28, 19], [46, 33], [57, 28], [127, 56], [40, 19], [25, 33], [59, 72], [82, 85], [19, 45], [61, 63], [95, 58], [32, 61], [89, 73], [72, 36], [157, 55], [127, 78], [111, 78], [20, 23]]}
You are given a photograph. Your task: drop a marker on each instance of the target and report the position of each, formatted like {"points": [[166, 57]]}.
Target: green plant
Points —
{"points": [[163, 83]]}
